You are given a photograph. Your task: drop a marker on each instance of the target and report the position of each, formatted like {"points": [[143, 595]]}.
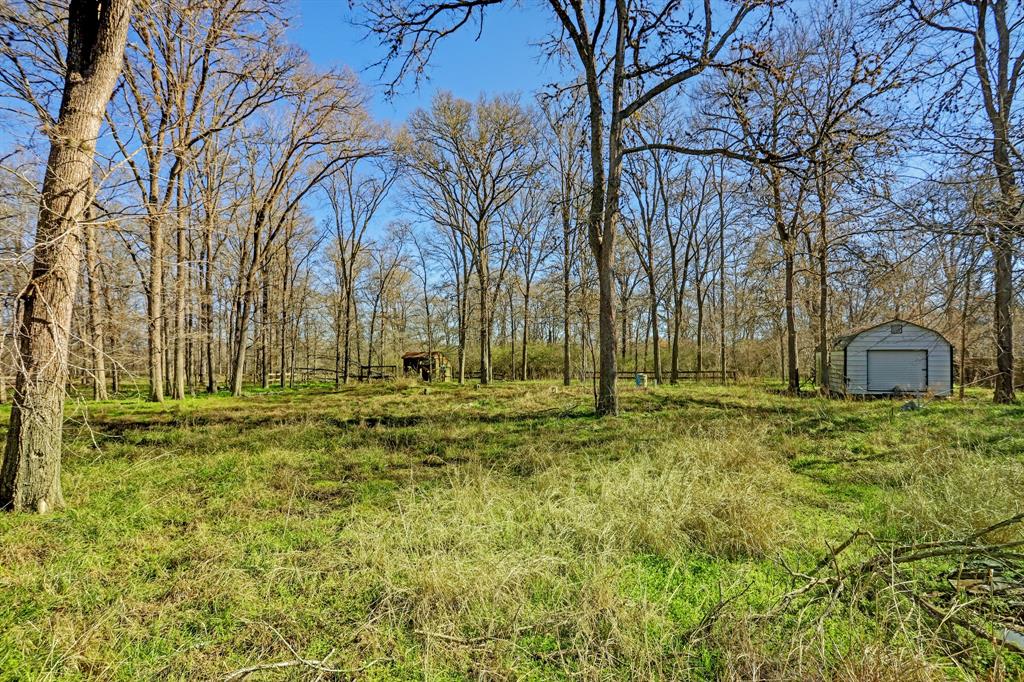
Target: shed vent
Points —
{"points": [[895, 328]]}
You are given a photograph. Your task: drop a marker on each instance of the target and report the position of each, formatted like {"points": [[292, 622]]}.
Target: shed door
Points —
{"points": [[897, 370]]}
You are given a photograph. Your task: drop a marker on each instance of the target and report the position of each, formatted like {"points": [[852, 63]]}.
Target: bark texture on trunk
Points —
{"points": [[997, 73], [607, 396], [1003, 319], [30, 474]]}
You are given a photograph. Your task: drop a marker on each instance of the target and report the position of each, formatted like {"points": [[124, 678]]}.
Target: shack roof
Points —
{"points": [[417, 354]]}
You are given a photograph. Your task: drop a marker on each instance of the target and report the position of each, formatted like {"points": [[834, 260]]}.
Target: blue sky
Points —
{"points": [[503, 60]]}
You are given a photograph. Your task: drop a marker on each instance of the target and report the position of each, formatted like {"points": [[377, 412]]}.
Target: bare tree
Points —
{"points": [[642, 214], [324, 130], [690, 195], [528, 219], [565, 136], [469, 162], [184, 82], [30, 474], [627, 56], [355, 200], [989, 79]]}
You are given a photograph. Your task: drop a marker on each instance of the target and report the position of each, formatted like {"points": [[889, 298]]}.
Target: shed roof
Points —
{"points": [[413, 354], [844, 340]]}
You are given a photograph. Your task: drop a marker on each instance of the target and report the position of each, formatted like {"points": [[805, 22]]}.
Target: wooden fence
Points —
{"points": [[684, 375], [377, 372]]}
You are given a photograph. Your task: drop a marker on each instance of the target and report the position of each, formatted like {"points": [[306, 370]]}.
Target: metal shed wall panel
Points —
{"points": [[912, 338]]}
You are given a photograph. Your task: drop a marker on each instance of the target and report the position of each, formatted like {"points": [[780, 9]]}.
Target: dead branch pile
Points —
{"points": [[964, 589]]}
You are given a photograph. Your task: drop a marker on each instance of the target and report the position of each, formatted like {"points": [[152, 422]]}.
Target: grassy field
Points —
{"points": [[499, 533]]}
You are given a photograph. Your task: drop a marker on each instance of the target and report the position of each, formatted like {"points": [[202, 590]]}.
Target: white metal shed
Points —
{"points": [[892, 358]]}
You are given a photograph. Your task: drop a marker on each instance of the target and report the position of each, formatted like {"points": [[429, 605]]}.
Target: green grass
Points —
{"points": [[490, 533]]}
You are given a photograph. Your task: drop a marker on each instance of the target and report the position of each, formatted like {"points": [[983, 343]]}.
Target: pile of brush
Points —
{"points": [[970, 587]]}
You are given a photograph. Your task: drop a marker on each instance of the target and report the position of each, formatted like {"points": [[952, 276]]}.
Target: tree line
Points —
{"points": [[702, 190]]}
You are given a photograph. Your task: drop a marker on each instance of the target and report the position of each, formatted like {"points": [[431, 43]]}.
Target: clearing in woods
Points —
{"points": [[505, 533]]}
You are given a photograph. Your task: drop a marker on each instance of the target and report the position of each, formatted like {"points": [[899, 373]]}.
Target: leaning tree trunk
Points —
{"points": [[30, 474]]}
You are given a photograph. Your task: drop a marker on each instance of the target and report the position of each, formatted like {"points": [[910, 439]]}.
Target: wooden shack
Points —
{"points": [[433, 366]]}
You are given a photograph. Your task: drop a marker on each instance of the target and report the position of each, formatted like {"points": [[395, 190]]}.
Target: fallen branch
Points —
{"points": [[318, 665]]}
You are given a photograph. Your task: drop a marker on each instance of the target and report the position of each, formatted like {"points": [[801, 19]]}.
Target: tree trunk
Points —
{"points": [[1003, 320], [963, 332], [207, 307], [155, 308], [265, 338], [824, 200], [511, 317], [700, 327], [347, 361], [238, 359], [115, 376], [3, 376], [180, 275], [655, 336], [721, 275], [96, 337], [566, 254], [607, 396], [483, 274], [30, 474], [674, 374], [526, 322], [721, 305], [793, 375], [339, 326], [677, 310], [604, 205], [623, 317], [283, 339], [782, 355], [998, 92]]}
